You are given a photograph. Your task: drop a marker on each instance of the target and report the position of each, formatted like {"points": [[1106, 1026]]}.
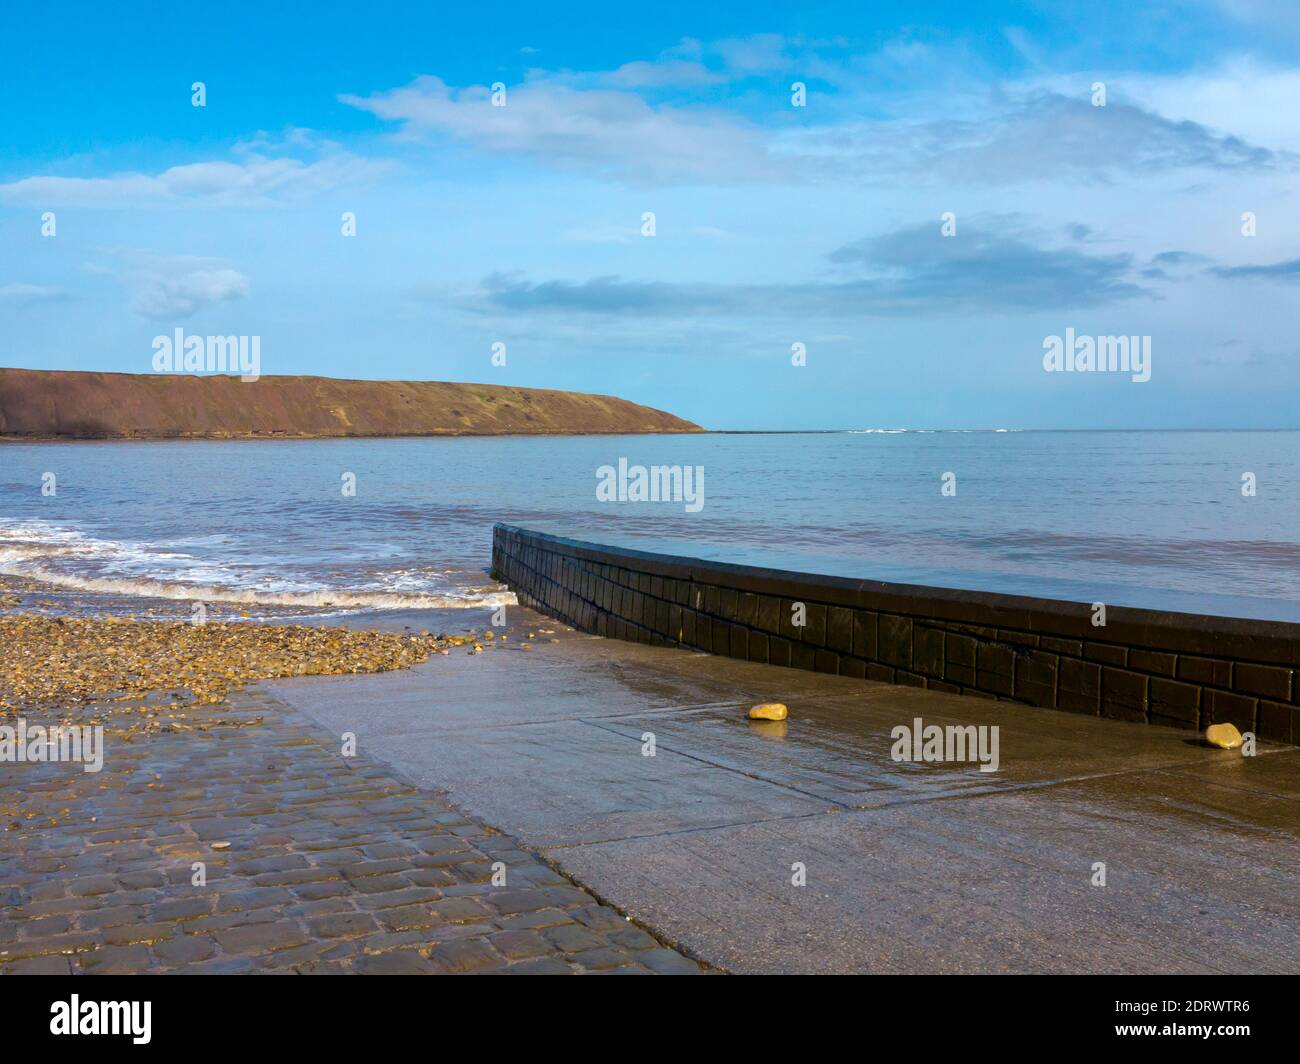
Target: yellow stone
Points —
{"points": [[1223, 735], [767, 711]]}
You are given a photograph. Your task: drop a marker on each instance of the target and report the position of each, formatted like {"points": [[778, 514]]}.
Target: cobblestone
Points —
{"points": [[247, 843]]}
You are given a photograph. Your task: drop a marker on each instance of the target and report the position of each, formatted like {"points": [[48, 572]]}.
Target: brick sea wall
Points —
{"points": [[1177, 669]]}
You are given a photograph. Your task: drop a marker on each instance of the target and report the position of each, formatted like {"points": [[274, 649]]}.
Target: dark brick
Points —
{"points": [[711, 601], [747, 612], [894, 640], [1152, 661], [864, 634], [1225, 708], [1017, 638], [959, 649], [1171, 722], [839, 629], [768, 614], [1036, 678], [854, 667], [1123, 694], [994, 668], [1205, 671], [827, 661], [720, 636], [738, 644], [688, 628], [927, 651], [980, 632], [758, 647], [882, 673], [1078, 687], [963, 675], [803, 656], [908, 679], [1278, 722], [1267, 681], [788, 628], [1174, 701], [814, 631], [1106, 652], [664, 620], [728, 604], [778, 651], [1071, 647]]}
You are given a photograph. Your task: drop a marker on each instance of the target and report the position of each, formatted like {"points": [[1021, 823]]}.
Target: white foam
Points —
{"points": [[34, 550]]}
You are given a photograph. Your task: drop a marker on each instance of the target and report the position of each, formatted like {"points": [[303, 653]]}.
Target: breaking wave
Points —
{"points": [[67, 558]]}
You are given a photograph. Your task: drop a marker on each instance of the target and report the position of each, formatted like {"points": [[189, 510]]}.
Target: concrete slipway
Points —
{"points": [[910, 867]]}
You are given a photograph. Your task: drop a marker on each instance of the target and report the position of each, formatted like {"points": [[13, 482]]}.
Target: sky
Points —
{"points": [[768, 216]]}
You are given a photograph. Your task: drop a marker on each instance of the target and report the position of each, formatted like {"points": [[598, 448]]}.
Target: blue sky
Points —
{"points": [[774, 224]]}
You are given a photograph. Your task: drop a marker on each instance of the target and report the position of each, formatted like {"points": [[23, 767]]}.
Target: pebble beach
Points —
{"points": [[97, 669]]}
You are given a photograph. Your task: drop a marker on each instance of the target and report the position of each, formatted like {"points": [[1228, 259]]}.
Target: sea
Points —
{"points": [[1205, 522]]}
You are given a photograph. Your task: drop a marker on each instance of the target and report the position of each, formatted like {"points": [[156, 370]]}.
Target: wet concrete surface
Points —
{"points": [[910, 867]]}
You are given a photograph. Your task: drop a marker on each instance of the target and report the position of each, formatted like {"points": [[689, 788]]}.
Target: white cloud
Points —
{"points": [[611, 124], [27, 295], [1253, 101], [663, 74], [168, 287], [762, 53], [257, 181], [602, 132], [1034, 136]]}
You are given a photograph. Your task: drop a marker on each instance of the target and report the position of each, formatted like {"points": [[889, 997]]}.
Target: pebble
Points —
{"points": [[1224, 736], [159, 667]]}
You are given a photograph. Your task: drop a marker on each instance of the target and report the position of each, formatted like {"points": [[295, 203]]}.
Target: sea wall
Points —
{"points": [[1176, 669]]}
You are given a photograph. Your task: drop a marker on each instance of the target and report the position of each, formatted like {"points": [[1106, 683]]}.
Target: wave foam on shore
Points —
{"points": [[67, 558]]}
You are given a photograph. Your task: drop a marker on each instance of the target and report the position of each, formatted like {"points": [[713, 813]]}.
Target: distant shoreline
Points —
{"points": [[284, 437], [48, 405]]}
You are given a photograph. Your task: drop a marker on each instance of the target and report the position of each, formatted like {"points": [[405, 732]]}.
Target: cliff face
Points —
{"points": [[46, 404]]}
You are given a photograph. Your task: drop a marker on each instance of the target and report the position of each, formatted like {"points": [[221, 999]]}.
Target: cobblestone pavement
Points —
{"points": [[315, 863]]}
